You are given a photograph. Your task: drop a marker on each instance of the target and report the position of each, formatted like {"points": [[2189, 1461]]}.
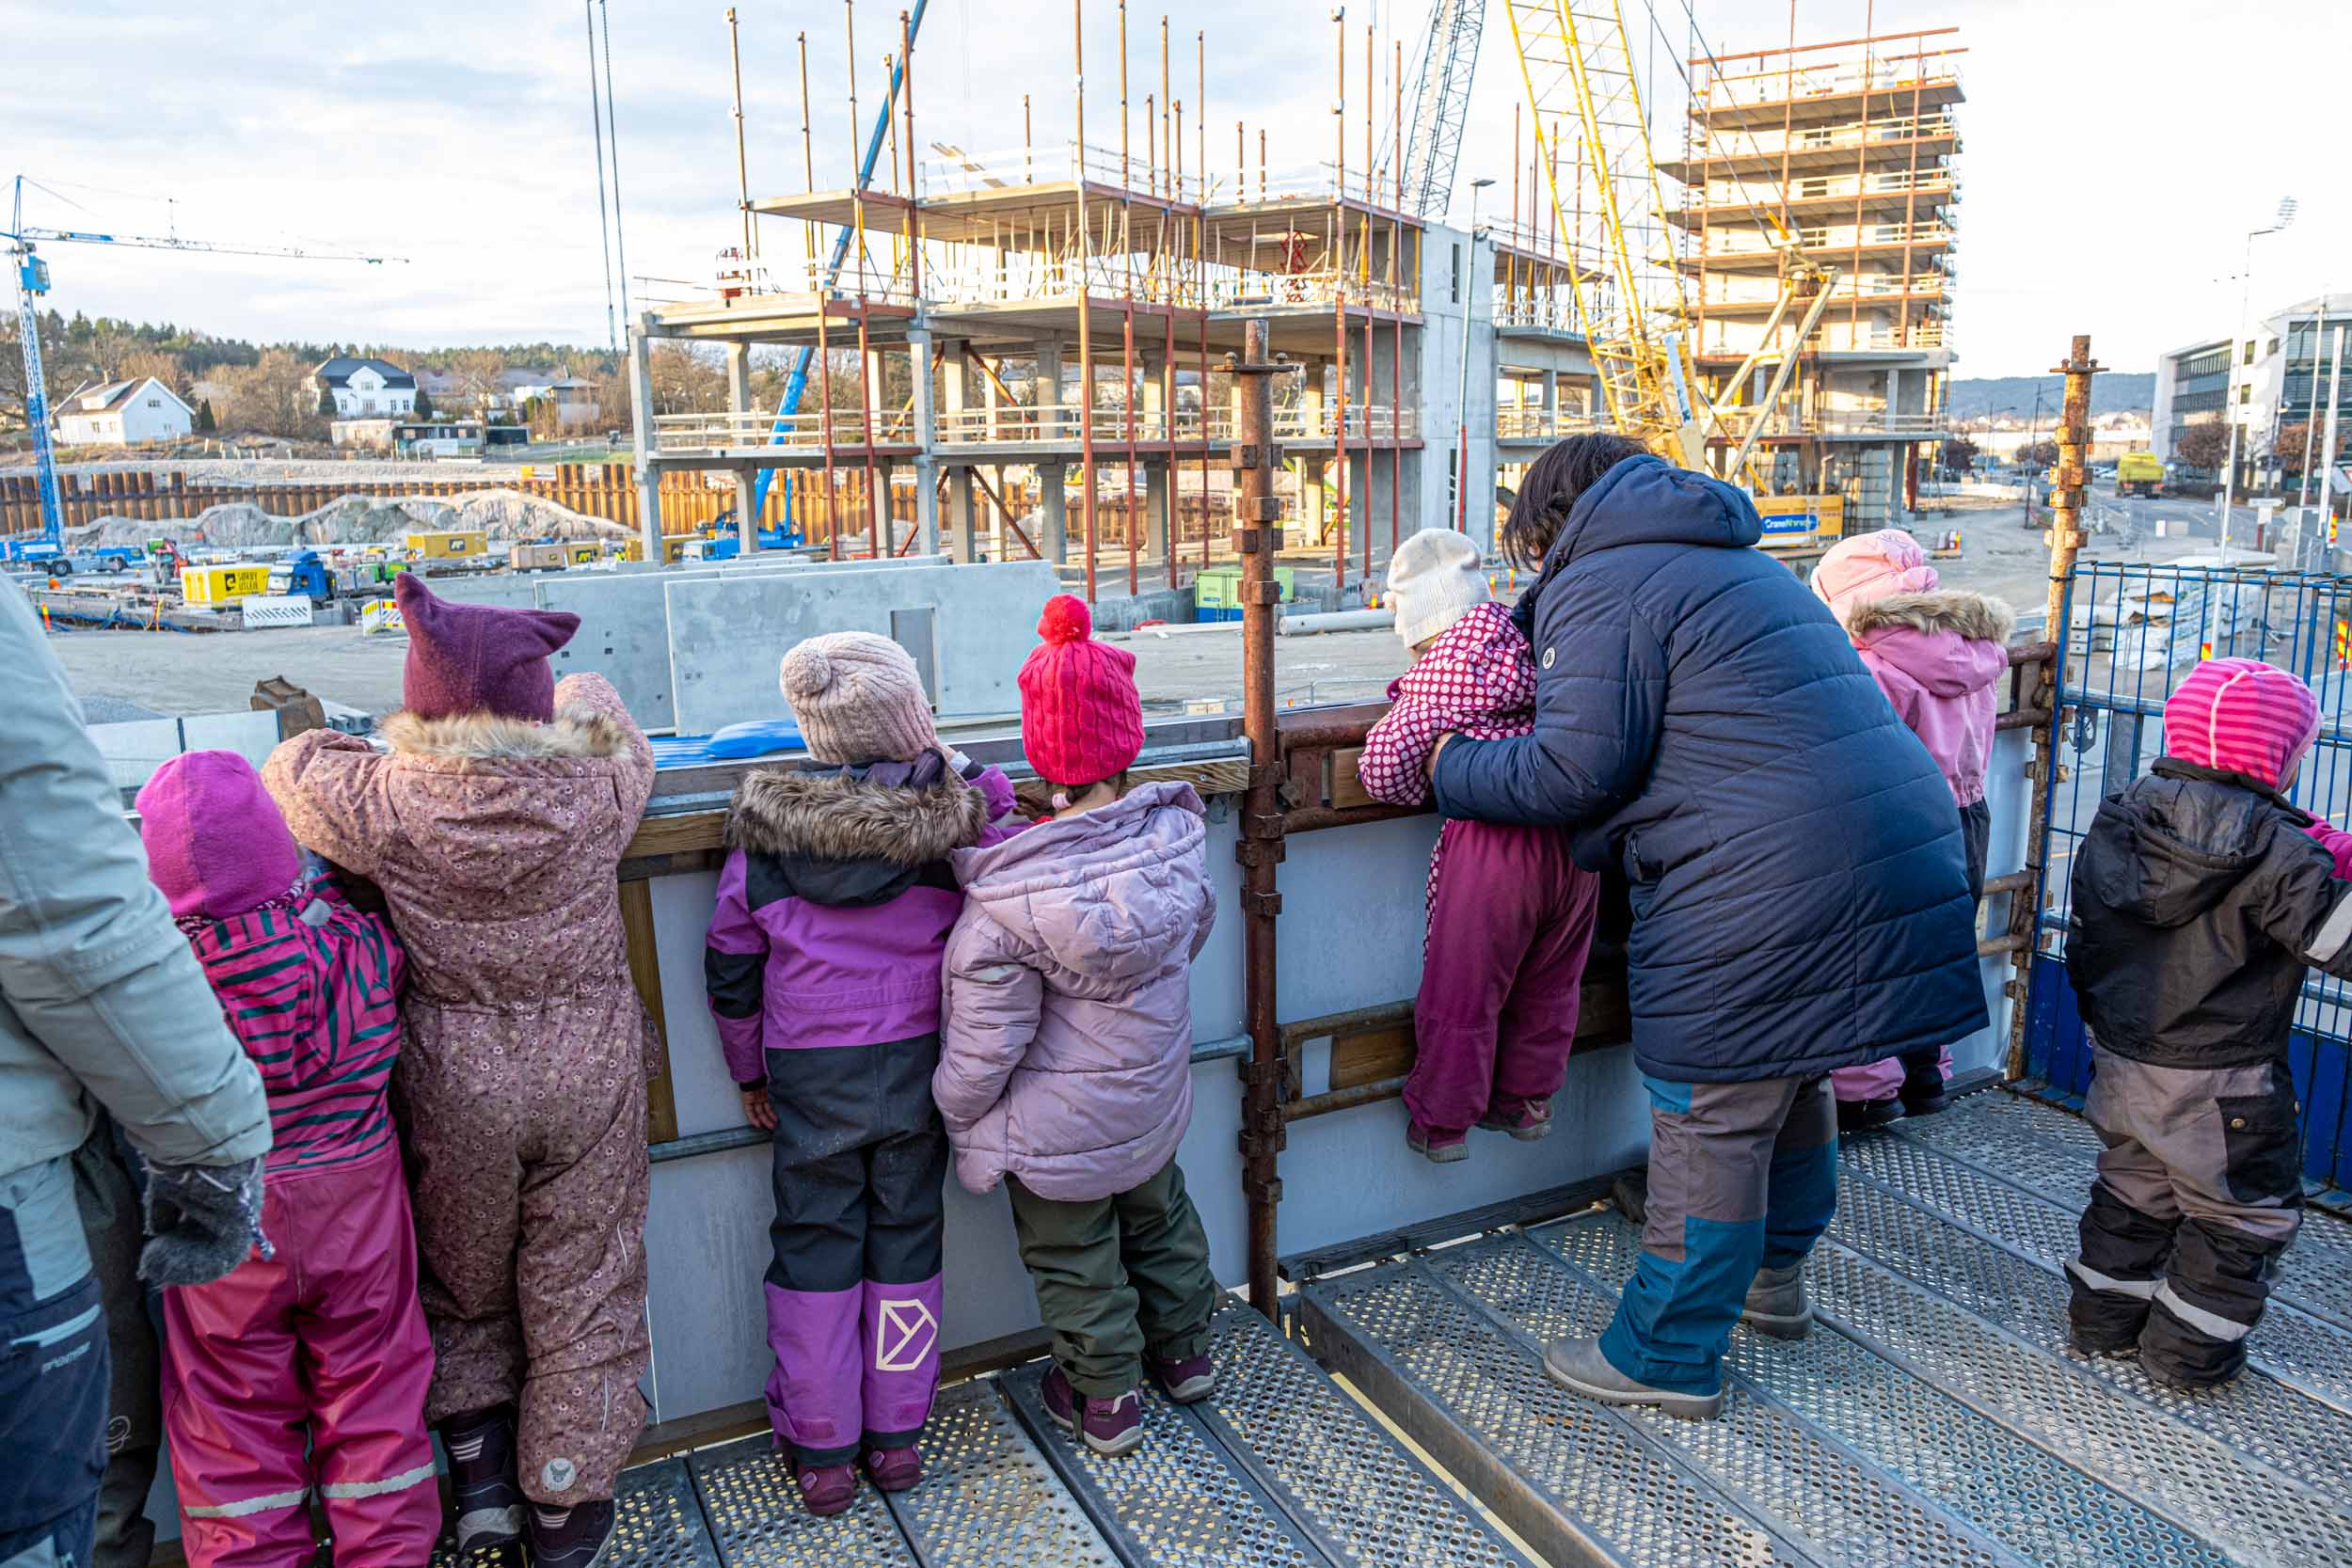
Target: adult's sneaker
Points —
{"points": [[1109, 1427], [488, 1500], [1578, 1366]]}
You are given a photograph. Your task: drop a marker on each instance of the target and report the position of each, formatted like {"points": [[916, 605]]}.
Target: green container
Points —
{"points": [[1219, 587]]}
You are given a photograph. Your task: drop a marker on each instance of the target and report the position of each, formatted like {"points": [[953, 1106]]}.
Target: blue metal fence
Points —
{"points": [[2131, 633]]}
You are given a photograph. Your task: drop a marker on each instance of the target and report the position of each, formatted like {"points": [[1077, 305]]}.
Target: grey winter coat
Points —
{"points": [[100, 997], [1066, 1032]]}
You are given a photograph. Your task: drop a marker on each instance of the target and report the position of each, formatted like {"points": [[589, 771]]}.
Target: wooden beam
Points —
{"points": [[645, 972]]}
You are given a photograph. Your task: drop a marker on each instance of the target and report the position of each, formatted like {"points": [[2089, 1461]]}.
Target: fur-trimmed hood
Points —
{"points": [[1953, 609], [904, 814], [574, 732]]}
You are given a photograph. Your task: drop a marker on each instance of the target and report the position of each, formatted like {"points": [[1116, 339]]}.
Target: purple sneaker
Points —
{"points": [[1109, 1427], [1437, 1147], [895, 1470], [1526, 1119], [1186, 1378], [826, 1488]]}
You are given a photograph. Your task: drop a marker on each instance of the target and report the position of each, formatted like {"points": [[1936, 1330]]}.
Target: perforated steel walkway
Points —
{"points": [[1935, 1417], [1279, 1468]]}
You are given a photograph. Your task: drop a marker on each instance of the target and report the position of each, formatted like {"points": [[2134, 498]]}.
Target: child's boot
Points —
{"points": [[895, 1470], [580, 1536], [488, 1500], [1109, 1427], [826, 1488], [1524, 1119], [1436, 1146], [1188, 1379]]}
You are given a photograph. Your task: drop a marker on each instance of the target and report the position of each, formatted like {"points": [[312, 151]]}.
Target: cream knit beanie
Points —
{"points": [[857, 698], [1435, 579]]}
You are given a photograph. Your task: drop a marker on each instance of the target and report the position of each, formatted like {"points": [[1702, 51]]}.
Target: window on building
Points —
{"points": [[154, 402], [2246, 394], [1456, 296], [2250, 351]]}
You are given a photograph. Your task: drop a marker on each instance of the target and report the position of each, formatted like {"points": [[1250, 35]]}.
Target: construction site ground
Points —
{"points": [[178, 674]]}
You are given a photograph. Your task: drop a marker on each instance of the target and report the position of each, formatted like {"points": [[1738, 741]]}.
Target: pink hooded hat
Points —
{"points": [[2242, 716], [216, 845], [1868, 567]]}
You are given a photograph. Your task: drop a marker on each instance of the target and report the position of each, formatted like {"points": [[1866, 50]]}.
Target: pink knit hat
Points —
{"points": [[468, 658], [858, 698], [215, 844], [2242, 716], [1869, 567], [1081, 717]]}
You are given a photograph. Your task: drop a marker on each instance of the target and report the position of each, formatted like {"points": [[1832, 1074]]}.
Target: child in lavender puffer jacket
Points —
{"points": [[823, 968], [1065, 1064], [1939, 656], [1510, 914]]}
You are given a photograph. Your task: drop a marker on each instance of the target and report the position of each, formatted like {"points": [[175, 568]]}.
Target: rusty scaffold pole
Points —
{"points": [[2038, 695], [1257, 522], [1086, 288], [825, 347], [1339, 304]]}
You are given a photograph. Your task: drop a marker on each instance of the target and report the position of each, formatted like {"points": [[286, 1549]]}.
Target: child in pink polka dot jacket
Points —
{"points": [[1510, 911]]}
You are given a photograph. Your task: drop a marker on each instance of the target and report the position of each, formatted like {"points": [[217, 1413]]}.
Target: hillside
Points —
{"points": [[2113, 392]]}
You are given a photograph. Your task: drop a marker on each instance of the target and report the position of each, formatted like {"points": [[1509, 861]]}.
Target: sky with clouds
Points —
{"points": [[2116, 152]]}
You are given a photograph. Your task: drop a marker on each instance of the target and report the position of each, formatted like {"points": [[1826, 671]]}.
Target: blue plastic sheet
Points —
{"points": [[760, 737]]}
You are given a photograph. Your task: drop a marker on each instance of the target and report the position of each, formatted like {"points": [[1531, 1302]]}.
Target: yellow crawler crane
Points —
{"points": [[1576, 66]]}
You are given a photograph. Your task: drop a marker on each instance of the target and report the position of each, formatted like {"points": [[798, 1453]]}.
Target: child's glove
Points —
{"points": [[201, 1222]]}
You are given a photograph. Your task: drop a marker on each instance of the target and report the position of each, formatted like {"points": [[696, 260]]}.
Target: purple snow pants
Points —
{"points": [[1510, 924], [853, 1298]]}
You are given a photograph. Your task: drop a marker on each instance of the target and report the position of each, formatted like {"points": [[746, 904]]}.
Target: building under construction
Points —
{"points": [[1834, 163]]}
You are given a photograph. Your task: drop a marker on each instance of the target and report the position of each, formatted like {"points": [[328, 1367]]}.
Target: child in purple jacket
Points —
{"points": [[1939, 654], [823, 972], [1510, 912], [1065, 1068]]}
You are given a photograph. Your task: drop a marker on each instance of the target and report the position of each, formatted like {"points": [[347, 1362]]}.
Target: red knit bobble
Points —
{"points": [[1065, 620]]}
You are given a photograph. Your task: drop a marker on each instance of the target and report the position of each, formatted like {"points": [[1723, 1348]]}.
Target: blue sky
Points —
{"points": [[2115, 152]]}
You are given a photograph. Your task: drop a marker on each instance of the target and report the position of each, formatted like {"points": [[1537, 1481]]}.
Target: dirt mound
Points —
{"points": [[507, 516]]}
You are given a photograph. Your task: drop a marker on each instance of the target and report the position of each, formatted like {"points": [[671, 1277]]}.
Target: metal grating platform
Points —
{"points": [[1934, 1416]]}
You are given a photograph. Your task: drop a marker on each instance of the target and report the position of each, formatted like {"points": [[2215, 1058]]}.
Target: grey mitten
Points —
{"points": [[201, 1222]]}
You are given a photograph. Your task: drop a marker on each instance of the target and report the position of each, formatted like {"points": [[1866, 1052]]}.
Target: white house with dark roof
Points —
{"points": [[123, 414], [367, 387]]}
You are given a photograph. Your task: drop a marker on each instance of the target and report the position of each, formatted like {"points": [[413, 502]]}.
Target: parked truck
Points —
{"points": [[2139, 473]]}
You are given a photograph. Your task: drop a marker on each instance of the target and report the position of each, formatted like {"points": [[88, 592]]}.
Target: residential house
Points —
{"points": [[364, 387], [123, 414], [572, 399]]}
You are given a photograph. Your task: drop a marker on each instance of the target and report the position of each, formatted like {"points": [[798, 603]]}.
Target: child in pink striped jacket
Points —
{"points": [[1510, 912], [303, 1372]]}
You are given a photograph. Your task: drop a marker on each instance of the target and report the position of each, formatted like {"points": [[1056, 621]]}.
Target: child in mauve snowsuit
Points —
{"points": [[1066, 1069], [1510, 914], [494, 825], [302, 1375], [2201, 896], [1940, 657], [823, 973]]}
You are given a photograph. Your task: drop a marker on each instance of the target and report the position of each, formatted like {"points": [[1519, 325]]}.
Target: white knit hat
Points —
{"points": [[1435, 579]]}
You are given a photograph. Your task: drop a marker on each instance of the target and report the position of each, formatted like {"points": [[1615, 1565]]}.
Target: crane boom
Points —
{"points": [[206, 247], [1448, 64]]}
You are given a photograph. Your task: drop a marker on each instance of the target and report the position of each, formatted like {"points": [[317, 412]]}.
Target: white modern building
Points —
{"points": [[364, 387], [2275, 377], [123, 414], [572, 399]]}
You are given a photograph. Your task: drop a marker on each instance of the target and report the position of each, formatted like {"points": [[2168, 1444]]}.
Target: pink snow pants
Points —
{"points": [[1510, 926], [307, 1371]]}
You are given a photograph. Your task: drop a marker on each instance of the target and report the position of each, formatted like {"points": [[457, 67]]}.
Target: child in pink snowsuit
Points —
{"points": [[317, 1339], [1510, 911], [1939, 656]]}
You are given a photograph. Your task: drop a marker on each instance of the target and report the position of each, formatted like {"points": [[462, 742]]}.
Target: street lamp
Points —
{"points": [[2245, 284], [1461, 395]]}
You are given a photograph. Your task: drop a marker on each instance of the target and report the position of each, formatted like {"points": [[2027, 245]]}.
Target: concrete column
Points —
{"points": [[925, 442], [739, 360], [746, 522], [993, 400], [1055, 505], [1049, 387], [738, 367], [641, 433], [1159, 509], [961, 524], [1314, 503], [1551, 404]]}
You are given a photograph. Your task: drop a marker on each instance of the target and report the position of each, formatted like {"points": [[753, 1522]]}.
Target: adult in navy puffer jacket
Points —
{"points": [[1799, 897]]}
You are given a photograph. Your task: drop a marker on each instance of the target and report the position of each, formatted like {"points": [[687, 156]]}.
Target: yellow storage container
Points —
{"points": [[220, 585], [447, 544], [1794, 522]]}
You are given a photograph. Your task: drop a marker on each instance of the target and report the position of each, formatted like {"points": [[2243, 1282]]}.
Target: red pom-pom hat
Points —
{"points": [[1081, 717]]}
